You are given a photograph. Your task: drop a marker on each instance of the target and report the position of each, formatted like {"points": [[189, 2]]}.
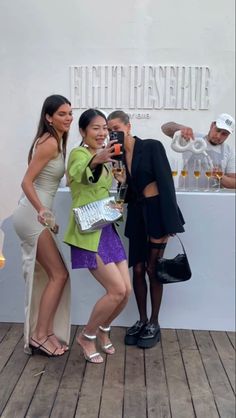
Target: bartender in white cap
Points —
{"points": [[217, 149]]}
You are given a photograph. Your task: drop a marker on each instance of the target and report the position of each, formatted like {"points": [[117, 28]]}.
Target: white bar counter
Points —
{"points": [[206, 302]]}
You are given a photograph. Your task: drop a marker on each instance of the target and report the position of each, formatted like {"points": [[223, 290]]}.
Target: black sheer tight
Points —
{"points": [[155, 251], [140, 289]]}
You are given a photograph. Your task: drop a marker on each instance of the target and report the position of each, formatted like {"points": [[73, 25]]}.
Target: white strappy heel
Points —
{"points": [[95, 357], [107, 348]]}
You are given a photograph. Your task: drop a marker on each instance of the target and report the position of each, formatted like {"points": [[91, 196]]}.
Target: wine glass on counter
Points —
{"points": [[208, 174], [174, 168], [197, 172], [184, 172], [218, 173]]}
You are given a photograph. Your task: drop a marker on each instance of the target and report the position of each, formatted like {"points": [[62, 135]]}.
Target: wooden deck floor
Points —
{"points": [[190, 374]]}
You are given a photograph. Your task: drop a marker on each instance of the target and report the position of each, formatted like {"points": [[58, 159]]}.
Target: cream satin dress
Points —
{"points": [[28, 228]]}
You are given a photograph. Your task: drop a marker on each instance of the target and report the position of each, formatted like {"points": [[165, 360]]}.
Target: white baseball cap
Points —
{"points": [[225, 121]]}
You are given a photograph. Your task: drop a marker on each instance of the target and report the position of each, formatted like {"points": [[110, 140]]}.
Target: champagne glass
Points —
{"points": [[49, 218], [117, 168], [121, 194], [184, 172], [207, 166], [197, 171], [174, 167], [218, 172]]}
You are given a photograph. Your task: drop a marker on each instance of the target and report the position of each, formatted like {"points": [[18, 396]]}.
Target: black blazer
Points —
{"points": [[150, 163]]}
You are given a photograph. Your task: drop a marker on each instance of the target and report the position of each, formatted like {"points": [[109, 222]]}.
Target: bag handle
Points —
{"points": [[182, 245]]}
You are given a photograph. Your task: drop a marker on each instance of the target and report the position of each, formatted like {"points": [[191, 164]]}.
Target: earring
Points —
{"points": [[50, 123]]}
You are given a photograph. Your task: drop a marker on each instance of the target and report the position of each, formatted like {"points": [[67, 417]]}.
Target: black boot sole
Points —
{"points": [[149, 342], [131, 339]]}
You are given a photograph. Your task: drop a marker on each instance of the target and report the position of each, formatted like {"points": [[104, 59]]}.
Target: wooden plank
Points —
{"points": [[20, 399], [11, 372], [135, 397], [226, 353], [157, 391], [202, 396], [113, 385], [218, 380], [69, 389], [232, 337], [4, 328], [45, 393], [9, 342], [90, 390], [179, 392]]}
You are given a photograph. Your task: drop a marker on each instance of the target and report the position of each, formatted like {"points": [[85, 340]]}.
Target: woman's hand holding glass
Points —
{"points": [[119, 172], [47, 218]]}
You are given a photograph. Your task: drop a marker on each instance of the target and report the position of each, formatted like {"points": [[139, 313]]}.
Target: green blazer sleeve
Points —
{"points": [[78, 166]]}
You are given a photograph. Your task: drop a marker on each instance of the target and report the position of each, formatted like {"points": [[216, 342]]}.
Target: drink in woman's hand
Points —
{"points": [[49, 218]]}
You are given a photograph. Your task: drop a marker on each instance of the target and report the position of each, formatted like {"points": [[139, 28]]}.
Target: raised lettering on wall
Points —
{"points": [[140, 87]]}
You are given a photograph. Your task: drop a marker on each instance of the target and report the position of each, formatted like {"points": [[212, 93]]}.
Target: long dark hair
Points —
{"points": [[50, 106]]}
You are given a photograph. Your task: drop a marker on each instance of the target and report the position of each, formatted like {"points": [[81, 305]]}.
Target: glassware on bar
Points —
{"points": [[218, 172], [197, 171], [184, 172], [207, 167], [174, 167]]}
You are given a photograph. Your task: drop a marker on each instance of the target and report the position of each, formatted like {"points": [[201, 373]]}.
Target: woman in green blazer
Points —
{"points": [[100, 251]]}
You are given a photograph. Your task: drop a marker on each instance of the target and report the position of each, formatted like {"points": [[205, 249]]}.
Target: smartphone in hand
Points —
{"points": [[119, 145]]}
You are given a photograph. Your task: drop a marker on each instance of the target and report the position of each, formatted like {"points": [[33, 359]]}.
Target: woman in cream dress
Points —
{"points": [[47, 296]]}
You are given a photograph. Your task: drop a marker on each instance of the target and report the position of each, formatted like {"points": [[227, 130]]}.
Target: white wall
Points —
{"points": [[40, 40]]}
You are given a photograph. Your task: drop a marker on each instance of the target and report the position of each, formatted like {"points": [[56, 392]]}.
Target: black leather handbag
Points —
{"points": [[175, 269]]}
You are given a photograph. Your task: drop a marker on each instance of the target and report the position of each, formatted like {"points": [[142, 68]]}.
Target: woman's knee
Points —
{"points": [[128, 290], [61, 277], [118, 294], [151, 272]]}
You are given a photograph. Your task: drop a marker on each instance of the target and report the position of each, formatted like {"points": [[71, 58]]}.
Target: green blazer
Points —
{"points": [[85, 188]]}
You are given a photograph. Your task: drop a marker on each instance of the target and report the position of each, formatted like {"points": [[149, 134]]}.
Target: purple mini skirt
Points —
{"points": [[110, 250]]}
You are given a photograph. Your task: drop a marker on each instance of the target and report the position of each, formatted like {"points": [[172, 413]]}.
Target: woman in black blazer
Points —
{"points": [[152, 215]]}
